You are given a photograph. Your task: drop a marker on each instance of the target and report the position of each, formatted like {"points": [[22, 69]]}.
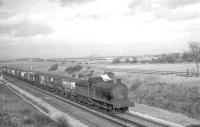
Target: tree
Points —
{"points": [[177, 57], [195, 50], [134, 60], [153, 60], [53, 67], [162, 59], [187, 57], [116, 61], [127, 60], [170, 59]]}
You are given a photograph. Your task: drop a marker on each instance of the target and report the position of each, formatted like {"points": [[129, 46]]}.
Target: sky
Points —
{"points": [[79, 28]]}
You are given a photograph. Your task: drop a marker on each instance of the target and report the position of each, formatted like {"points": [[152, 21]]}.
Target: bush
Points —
{"points": [[116, 61], [25, 111], [28, 121], [127, 60], [53, 67], [135, 85], [91, 73], [173, 97], [135, 60], [72, 69], [63, 63], [62, 122], [170, 59], [41, 120], [81, 76]]}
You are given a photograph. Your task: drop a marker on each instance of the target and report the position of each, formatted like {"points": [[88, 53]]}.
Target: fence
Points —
{"points": [[155, 72]]}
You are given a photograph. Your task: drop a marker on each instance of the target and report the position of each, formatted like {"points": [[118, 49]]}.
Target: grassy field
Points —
{"points": [[20, 113], [158, 67], [173, 93]]}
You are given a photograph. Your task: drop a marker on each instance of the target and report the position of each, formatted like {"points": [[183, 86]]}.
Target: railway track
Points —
{"points": [[117, 121], [92, 124], [125, 120]]}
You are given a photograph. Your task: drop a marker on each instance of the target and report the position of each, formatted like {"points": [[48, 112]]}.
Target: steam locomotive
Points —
{"points": [[109, 96]]}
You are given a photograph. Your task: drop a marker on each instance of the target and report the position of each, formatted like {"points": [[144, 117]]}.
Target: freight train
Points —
{"points": [[109, 96]]}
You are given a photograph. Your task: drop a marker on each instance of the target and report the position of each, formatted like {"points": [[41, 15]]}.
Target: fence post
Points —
{"points": [[187, 72]]}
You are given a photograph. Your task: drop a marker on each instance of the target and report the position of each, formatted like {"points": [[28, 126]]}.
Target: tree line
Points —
{"points": [[192, 55], [164, 58]]}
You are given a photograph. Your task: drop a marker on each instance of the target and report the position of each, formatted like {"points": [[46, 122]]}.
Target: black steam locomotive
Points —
{"points": [[108, 96]]}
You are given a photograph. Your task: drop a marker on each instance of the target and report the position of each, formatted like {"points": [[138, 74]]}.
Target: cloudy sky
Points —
{"points": [[75, 28]]}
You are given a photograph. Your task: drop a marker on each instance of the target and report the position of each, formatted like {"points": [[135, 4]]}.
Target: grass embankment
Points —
{"points": [[178, 94], [69, 69], [20, 113]]}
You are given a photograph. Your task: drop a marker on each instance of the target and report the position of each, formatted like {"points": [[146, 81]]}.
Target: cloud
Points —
{"points": [[192, 28], [25, 29], [142, 5], [183, 17], [1, 2], [135, 3], [5, 14], [90, 16], [126, 25], [153, 4], [178, 3], [72, 2], [173, 10], [176, 15]]}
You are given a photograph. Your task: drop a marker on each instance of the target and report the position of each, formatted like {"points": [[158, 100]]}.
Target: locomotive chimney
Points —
{"points": [[119, 81]]}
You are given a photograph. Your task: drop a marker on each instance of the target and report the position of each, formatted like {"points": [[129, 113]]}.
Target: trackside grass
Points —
{"points": [[17, 112], [172, 93]]}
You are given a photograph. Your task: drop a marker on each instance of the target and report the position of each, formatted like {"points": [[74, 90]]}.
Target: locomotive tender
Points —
{"points": [[108, 96]]}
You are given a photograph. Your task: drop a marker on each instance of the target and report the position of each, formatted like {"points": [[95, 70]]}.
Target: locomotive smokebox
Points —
{"points": [[119, 92]]}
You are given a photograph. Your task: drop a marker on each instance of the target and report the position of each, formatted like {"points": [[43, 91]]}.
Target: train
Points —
{"points": [[110, 96]]}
